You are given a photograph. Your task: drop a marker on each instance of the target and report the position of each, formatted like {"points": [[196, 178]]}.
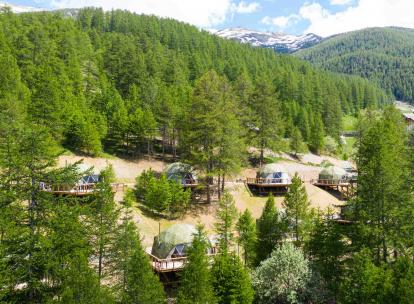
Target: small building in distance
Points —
{"points": [[409, 120], [184, 174], [270, 178], [409, 117]]}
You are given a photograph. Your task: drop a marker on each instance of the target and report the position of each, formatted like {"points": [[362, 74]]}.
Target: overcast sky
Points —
{"points": [[322, 17]]}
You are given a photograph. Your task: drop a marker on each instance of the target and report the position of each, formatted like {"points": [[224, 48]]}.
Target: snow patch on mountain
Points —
{"points": [[282, 43]]}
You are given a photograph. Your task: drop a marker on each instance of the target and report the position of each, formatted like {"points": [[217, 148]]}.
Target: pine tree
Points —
{"points": [[102, 224], [212, 133], [266, 126], [247, 238], [327, 247], [297, 209], [231, 281], [296, 141], [270, 230], [384, 195], [317, 134], [195, 284], [374, 282], [142, 285], [125, 241], [225, 217]]}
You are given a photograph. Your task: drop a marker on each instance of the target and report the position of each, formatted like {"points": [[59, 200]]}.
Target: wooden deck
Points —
{"points": [[268, 182], [169, 265], [79, 190], [264, 186], [346, 188], [190, 185]]}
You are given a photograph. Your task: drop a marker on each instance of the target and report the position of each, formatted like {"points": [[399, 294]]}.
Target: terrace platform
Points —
{"points": [[345, 188], [264, 186], [79, 190], [171, 264]]}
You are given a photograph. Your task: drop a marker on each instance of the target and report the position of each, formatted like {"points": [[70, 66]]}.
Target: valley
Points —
{"points": [[148, 160]]}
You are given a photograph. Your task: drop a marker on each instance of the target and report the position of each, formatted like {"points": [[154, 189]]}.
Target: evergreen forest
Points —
{"points": [[383, 55], [114, 81], [118, 83]]}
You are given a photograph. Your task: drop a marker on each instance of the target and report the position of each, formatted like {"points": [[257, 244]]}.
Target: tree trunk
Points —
{"points": [[173, 145], [163, 142], [218, 187], [208, 192], [261, 157], [222, 183]]}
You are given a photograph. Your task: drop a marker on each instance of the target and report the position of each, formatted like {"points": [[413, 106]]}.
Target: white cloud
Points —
{"points": [[198, 12], [246, 8], [367, 13], [340, 2], [281, 22]]}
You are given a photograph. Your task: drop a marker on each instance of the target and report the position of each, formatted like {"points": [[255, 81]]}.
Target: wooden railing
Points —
{"points": [[330, 182], [172, 264], [189, 182], [78, 189], [268, 181]]}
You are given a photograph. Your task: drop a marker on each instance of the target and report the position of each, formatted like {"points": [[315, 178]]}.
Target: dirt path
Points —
{"points": [[125, 170]]}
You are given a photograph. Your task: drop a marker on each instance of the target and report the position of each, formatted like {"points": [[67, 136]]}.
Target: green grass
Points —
{"points": [[348, 148], [349, 123]]}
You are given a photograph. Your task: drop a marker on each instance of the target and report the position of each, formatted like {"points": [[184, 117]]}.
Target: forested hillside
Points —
{"points": [[116, 80], [383, 55]]}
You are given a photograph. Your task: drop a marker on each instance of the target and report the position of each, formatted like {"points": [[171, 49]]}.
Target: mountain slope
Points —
{"points": [[383, 55], [115, 79], [281, 43]]}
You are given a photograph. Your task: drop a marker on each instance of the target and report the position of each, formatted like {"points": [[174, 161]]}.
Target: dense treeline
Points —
{"points": [[72, 250], [118, 80], [301, 255], [383, 55]]}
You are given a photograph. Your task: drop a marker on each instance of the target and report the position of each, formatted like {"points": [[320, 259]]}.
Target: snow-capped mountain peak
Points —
{"points": [[19, 8], [279, 42]]}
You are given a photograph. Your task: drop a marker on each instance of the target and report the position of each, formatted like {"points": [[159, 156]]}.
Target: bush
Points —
{"points": [[331, 145], [282, 277], [161, 194]]}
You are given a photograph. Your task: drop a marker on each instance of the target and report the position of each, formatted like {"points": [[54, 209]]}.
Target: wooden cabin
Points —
{"points": [[270, 178], [169, 250], [182, 173]]}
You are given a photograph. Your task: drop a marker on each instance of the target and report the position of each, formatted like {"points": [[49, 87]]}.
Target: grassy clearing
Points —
{"points": [[349, 123], [348, 147]]}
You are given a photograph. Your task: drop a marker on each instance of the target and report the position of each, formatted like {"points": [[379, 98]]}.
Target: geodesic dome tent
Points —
{"points": [[181, 173], [173, 242], [274, 174], [333, 173], [90, 177]]}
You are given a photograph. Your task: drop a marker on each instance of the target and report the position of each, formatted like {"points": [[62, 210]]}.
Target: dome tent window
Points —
{"points": [[181, 173], [169, 250], [274, 174], [270, 178]]}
